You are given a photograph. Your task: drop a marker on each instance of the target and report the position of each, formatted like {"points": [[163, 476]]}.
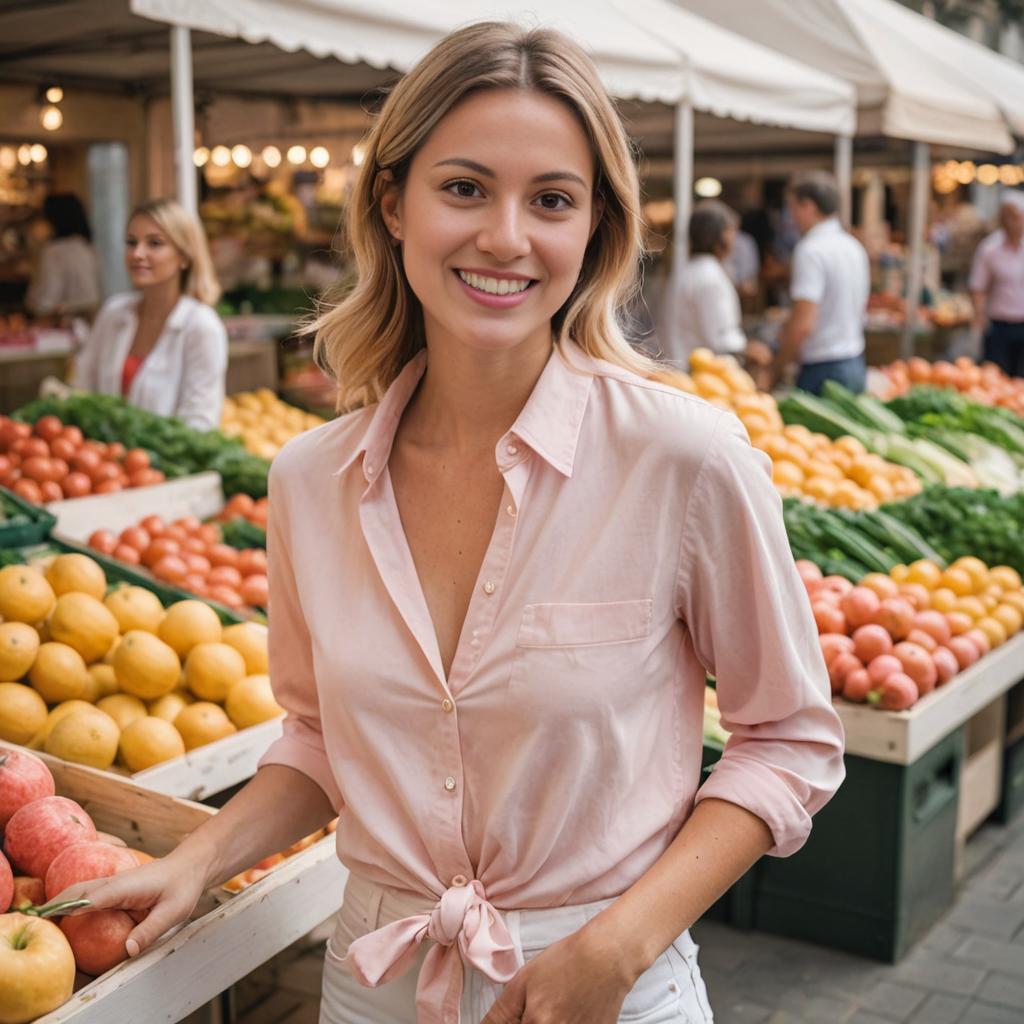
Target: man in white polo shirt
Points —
{"points": [[997, 288], [829, 287]]}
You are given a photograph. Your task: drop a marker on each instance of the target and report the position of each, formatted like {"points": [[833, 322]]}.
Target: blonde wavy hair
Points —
{"points": [[366, 338], [187, 236]]}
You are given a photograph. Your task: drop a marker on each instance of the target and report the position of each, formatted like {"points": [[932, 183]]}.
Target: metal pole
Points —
{"points": [[683, 191], [919, 190], [844, 178], [183, 115]]}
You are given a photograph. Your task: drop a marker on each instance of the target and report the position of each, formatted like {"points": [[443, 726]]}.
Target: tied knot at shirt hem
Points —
{"points": [[462, 922]]}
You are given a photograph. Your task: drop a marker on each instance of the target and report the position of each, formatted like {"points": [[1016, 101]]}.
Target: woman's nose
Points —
{"points": [[505, 235]]}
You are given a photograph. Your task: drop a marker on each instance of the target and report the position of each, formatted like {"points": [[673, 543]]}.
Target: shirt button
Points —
{"points": [[449, 783], [447, 705], [510, 509], [488, 588], [460, 880], [369, 469], [511, 449]]}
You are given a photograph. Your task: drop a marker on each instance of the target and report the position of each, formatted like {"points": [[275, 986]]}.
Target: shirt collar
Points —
{"points": [[549, 423], [826, 226], [175, 319]]}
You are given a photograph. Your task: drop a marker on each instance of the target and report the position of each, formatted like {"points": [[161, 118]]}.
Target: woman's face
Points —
{"points": [[150, 256], [494, 218]]}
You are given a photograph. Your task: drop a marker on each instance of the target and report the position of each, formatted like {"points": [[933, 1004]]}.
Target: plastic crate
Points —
{"points": [[878, 869], [40, 522]]}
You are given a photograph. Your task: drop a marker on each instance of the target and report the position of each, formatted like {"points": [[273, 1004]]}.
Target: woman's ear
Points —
{"points": [[390, 197]]}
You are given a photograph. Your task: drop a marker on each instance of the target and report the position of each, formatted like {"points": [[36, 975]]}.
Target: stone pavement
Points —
{"points": [[968, 970]]}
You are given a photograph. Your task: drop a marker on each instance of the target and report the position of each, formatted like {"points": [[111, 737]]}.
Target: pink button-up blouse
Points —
{"points": [[639, 543]]}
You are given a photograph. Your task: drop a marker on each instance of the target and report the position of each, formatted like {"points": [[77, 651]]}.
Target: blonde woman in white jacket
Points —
{"points": [[163, 348]]}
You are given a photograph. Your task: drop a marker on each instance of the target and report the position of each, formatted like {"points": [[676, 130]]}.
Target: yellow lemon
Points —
{"points": [[1007, 577], [85, 737], [251, 701], [975, 568], [943, 599], [203, 722], [25, 596], [55, 715], [168, 706], [19, 645], [22, 713], [123, 708], [1010, 617], [212, 669], [59, 673], [250, 640], [188, 623], [959, 581], [145, 666], [104, 681], [135, 608], [83, 622], [993, 629], [149, 741], [75, 573], [971, 606], [927, 573]]}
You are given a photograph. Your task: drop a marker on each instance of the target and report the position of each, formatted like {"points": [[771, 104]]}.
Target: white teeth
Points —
{"points": [[494, 285]]}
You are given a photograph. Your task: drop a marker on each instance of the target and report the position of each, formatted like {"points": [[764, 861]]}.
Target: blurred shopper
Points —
{"points": [[829, 289], [67, 275], [163, 347], [997, 288], [743, 264]]}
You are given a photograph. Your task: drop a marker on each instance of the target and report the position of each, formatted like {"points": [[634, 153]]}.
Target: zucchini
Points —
{"points": [[863, 409], [855, 545], [906, 538], [820, 417]]}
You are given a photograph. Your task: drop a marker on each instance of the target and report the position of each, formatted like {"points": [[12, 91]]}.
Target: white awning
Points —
{"points": [[915, 79]]}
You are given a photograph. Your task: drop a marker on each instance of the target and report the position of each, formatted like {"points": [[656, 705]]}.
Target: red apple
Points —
{"points": [[28, 892], [23, 778], [97, 938], [37, 968], [40, 830], [6, 885], [85, 861]]}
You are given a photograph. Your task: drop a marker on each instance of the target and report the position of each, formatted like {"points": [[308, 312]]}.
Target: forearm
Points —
{"points": [[718, 843], [980, 301], [277, 808]]}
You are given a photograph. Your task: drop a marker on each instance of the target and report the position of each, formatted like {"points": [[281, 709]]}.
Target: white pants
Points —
{"points": [[670, 992]]}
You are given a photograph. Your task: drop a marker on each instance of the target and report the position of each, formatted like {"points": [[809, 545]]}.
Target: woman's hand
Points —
{"points": [[582, 979], [158, 895]]}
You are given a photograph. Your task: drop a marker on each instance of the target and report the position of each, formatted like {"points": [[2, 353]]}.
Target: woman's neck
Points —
{"points": [[468, 399], [159, 299]]}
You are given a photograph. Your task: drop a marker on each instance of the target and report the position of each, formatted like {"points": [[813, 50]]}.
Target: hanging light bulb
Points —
{"points": [[988, 174], [24, 154], [271, 156], [220, 156], [319, 157], [51, 118], [201, 156], [54, 94], [37, 151], [241, 155], [297, 154], [707, 188]]}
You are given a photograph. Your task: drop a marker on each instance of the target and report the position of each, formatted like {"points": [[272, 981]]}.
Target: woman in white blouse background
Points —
{"points": [[163, 348]]}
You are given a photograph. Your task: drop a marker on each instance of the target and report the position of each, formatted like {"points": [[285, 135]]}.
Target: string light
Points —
{"points": [[319, 157], [51, 118], [201, 156], [54, 94], [8, 159], [37, 153], [296, 154], [708, 188], [271, 156], [988, 174], [241, 155], [24, 154], [220, 156]]}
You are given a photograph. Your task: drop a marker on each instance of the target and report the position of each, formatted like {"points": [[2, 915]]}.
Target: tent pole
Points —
{"points": [[183, 116], [683, 193], [919, 192], [844, 178]]}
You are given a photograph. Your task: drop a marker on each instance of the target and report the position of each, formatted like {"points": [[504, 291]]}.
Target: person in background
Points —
{"points": [[829, 289], [997, 288], [163, 348], [67, 276], [743, 264]]}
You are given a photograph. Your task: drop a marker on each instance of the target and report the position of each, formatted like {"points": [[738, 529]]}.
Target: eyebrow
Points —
{"points": [[472, 165]]}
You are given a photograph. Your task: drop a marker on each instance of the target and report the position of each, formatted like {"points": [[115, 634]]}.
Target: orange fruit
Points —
{"points": [[971, 606], [884, 586], [202, 722], [251, 701], [1010, 617], [899, 573], [1013, 597], [1007, 577], [212, 669], [975, 568], [83, 622], [250, 640], [55, 715], [123, 708], [188, 623], [75, 573], [19, 644], [104, 681], [943, 599], [993, 629], [168, 706], [22, 713], [59, 673], [145, 666], [25, 596], [135, 608], [959, 581], [149, 741], [928, 574], [85, 737]]}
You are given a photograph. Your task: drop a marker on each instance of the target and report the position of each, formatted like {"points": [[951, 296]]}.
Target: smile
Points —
{"points": [[495, 285]]}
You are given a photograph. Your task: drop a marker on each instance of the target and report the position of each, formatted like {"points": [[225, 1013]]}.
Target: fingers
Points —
{"points": [[510, 1006], [102, 894], [161, 918]]}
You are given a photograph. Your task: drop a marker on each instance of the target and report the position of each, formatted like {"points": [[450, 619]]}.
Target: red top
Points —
{"points": [[130, 369]]}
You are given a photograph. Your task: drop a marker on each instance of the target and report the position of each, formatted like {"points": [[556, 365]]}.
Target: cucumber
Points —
{"points": [[906, 537], [820, 417], [863, 409], [855, 545]]}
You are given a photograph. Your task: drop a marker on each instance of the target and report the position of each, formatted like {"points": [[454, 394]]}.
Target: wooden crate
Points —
{"points": [[227, 936], [981, 775]]}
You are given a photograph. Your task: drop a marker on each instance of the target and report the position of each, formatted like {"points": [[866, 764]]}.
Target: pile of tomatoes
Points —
{"points": [[190, 554], [53, 461]]}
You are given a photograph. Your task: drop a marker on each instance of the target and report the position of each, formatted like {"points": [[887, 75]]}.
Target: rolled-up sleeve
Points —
{"points": [[205, 363], [751, 625], [291, 659]]}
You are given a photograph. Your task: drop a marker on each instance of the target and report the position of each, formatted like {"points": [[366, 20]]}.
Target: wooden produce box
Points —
{"points": [[199, 495], [981, 774], [228, 935]]}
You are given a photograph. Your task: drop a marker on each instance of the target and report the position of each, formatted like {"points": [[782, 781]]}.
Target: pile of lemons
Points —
{"points": [[263, 422]]}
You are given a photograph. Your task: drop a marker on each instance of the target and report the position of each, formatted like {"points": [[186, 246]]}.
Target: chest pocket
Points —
{"points": [[588, 652]]}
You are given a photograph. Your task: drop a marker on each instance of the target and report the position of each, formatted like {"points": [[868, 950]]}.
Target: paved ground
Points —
{"points": [[968, 970]]}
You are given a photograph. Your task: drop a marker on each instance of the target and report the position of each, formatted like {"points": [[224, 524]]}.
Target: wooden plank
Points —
{"points": [[200, 495], [901, 737]]}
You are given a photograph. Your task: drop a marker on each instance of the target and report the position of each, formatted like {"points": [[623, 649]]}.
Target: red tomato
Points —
{"points": [[225, 595], [135, 537], [146, 478], [51, 491], [26, 447], [194, 583], [198, 565], [171, 568], [103, 541], [188, 523], [5, 465], [209, 533], [105, 471], [159, 549], [238, 505], [153, 525], [116, 450], [36, 468], [74, 435], [62, 448], [76, 485], [254, 591], [86, 460], [49, 427], [225, 575], [126, 553], [259, 516], [156, 475], [58, 470], [9, 478], [29, 490], [176, 533], [16, 459], [136, 459], [222, 554], [194, 545], [252, 561], [108, 487]]}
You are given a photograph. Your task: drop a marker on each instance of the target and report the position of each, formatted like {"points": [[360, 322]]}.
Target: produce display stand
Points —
{"points": [[39, 522], [23, 368], [199, 495], [228, 935]]}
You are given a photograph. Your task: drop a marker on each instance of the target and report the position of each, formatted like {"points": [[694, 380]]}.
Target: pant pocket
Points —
{"points": [[694, 1004]]}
